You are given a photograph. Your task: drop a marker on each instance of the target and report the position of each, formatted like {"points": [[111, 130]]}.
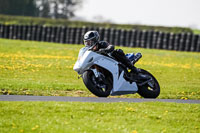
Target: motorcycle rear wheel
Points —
{"points": [[89, 81], [149, 92]]}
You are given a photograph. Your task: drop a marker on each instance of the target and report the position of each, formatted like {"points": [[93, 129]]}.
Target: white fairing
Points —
{"points": [[88, 58]]}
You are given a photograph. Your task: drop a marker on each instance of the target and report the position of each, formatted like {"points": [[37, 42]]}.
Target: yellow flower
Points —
{"points": [[21, 131], [134, 131], [184, 98], [34, 128], [130, 109], [49, 65], [66, 123]]}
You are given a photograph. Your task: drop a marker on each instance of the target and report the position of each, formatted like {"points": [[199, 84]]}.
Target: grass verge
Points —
{"points": [[62, 117], [38, 68]]}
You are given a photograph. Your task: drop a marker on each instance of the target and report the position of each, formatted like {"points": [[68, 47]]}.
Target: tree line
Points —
{"points": [[40, 8]]}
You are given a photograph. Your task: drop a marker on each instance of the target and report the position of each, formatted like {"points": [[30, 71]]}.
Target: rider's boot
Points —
{"points": [[136, 73], [131, 66]]}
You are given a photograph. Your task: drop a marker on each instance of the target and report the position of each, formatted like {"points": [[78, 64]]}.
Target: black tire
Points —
{"points": [[92, 87], [146, 91]]}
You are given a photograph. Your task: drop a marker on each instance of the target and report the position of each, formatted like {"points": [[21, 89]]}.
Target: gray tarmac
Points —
{"points": [[89, 99]]}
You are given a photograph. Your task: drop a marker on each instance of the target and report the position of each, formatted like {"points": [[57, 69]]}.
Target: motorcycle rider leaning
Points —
{"points": [[92, 38]]}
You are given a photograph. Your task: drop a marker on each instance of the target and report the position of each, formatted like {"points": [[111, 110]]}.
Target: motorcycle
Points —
{"points": [[103, 75]]}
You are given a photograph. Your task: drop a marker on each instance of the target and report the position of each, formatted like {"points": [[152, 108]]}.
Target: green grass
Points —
{"points": [[62, 117], [196, 31], [39, 68]]}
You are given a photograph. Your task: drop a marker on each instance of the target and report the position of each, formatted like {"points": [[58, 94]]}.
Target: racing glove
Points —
{"points": [[102, 51]]}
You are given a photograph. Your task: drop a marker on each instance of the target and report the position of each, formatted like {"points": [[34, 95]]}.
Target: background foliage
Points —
{"points": [[20, 20], [40, 8], [57, 9]]}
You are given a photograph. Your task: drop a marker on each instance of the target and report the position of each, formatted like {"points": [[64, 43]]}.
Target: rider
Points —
{"points": [[92, 37]]}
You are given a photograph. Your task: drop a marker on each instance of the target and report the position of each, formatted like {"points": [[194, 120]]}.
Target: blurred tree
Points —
{"points": [[41, 8], [57, 8], [18, 7]]}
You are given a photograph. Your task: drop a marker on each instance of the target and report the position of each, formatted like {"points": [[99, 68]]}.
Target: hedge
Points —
{"points": [[23, 20]]}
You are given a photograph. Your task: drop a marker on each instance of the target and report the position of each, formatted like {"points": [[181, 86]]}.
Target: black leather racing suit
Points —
{"points": [[104, 46], [118, 54]]}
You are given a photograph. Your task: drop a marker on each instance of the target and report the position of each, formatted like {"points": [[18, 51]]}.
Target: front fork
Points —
{"points": [[96, 73], [99, 78], [96, 70]]}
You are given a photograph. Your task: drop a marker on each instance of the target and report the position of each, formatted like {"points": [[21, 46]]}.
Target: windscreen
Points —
{"points": [[82, 51]]}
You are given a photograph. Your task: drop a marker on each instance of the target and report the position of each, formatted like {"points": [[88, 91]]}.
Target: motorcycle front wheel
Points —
{"points": [[150, 89], [98, 88]]}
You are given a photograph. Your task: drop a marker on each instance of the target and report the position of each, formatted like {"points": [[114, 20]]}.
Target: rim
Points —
{"points": [[99, 85], [152, 85]]}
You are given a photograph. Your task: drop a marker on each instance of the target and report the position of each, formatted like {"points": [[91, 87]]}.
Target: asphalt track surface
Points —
{"points": [[88, 99]]}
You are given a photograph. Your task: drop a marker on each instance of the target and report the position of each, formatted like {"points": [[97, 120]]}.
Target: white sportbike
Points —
{"points": [[105, 76]]}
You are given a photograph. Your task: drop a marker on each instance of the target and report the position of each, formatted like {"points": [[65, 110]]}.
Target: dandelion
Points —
{"points": [[130, 109], [9, 92], [98, 120], [165, 113], [49, 65], [69, 67], [13, 125], [34, 128], [134, 131], [186, 66], [66, 123], [169, 65], [21, 131], [164, 130], [197, 65], [184, 98]]}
